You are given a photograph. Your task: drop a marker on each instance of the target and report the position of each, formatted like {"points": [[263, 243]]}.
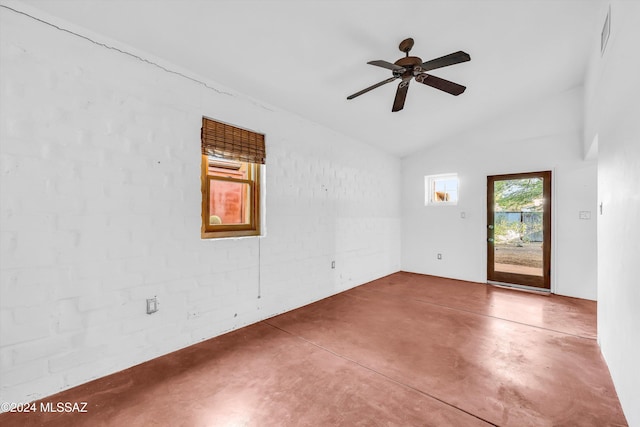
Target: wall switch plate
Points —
{"points": [[152, 305], [463, 215], [333, 264], [439, 256], [585, 215]]}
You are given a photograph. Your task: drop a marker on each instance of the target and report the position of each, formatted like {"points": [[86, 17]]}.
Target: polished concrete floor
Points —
{"points": [[404, 350]]}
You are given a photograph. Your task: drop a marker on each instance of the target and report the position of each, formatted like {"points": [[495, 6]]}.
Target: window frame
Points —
{"points": [[252, 228], [431, 180]]}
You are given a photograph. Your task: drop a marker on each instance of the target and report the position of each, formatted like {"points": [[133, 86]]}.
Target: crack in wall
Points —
{"points": [[140, 58]]}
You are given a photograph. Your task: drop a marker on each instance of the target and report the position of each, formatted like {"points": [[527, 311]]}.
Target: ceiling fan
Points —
{"points": [[412, 67]]}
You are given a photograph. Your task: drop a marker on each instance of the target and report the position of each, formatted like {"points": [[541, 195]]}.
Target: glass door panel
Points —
{"points": [[519, 225]]}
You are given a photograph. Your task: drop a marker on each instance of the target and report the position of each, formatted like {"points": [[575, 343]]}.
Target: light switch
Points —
{"points": [[585, 215]]}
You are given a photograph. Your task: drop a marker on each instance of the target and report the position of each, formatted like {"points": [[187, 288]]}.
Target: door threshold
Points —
{"points": [[532, 289]]}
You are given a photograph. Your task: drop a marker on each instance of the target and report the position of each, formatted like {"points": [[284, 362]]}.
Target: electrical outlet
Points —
{"points": [[439, 256], [152, 305]]}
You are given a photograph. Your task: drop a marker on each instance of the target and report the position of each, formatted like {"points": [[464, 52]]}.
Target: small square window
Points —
{"points": [[441, 189]]}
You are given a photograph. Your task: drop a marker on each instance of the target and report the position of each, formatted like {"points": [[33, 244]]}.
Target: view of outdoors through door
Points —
{"points": [[519, 229], [518, 226]]}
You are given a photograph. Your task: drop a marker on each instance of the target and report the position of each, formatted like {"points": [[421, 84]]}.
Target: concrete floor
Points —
{"points": [[404, 350]]}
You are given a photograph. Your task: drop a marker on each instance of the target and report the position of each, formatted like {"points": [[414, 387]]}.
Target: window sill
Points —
{"points": [[228, 234], [442, 204]]}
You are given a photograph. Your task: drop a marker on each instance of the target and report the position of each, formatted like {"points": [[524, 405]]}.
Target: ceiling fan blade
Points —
{"points": [[401, 95], [389, 80], [442, 84], [444, 61], [388, 65]]}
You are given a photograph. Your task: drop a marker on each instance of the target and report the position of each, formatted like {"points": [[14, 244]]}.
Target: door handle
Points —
{"points": [[490, 240], [490, 226]]}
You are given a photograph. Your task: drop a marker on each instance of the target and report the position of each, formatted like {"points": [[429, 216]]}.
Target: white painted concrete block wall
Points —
{"points": [[100, 209], [543, 136]]}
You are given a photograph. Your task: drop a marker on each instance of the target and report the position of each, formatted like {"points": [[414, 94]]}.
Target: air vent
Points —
{"points": [[606, 30]]}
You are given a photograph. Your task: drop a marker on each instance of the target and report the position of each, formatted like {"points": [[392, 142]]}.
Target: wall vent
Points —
{"points": [[606, 30]]}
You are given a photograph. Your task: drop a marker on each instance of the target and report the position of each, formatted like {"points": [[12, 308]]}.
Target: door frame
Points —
{"points": [[538, 282]]}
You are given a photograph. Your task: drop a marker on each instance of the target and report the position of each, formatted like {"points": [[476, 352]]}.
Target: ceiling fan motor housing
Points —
{"points": [[410, 63]]}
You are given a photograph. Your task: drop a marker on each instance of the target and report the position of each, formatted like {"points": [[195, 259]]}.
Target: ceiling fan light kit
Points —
{"points": [[412, 67]]}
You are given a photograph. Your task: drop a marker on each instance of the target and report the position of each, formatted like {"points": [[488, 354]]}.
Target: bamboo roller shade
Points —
{"points": [[232, 143]]}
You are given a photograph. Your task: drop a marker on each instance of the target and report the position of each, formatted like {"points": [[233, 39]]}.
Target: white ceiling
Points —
{"points": [[306, 56]]}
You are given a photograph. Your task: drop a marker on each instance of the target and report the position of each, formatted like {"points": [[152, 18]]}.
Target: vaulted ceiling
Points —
{"points": [[307, 56]]}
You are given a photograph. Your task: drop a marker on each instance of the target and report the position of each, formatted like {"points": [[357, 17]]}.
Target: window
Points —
{"points": [[231, 163], [441, 189]]}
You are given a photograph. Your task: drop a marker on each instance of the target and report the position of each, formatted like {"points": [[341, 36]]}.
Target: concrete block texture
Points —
{"points": [[100, 210]]}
